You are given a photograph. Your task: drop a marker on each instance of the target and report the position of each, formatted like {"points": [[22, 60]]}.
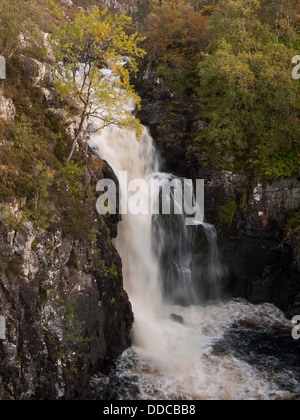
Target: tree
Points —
{"points": [[248, 76], [173, 30], [97, 75]]}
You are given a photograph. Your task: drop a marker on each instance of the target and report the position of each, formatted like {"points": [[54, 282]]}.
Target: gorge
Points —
{"points": [[126, 306]]}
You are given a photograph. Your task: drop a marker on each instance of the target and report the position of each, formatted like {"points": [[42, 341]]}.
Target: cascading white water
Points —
{"points": [[143, 241], [161, 267], [140, 269]]}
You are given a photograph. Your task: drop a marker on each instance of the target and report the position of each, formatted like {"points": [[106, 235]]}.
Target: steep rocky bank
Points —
{"points": [[63, 303]]}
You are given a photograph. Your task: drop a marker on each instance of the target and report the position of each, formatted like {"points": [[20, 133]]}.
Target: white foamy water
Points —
{"points": [[186, 366], [140, 268], [172, 360], [193, 371]]}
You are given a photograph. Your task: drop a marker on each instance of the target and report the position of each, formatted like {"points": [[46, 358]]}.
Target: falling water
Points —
{"points": [[159, 266], [181, 345]]}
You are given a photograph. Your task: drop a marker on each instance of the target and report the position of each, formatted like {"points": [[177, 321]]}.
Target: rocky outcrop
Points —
{"points": [[250, 214], [129, 6], [7, 108], [63, 309], [173, 122]]}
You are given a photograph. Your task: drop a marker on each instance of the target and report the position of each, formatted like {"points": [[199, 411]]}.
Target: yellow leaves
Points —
{"points": [[96, 42], [45, 171], [50, 175]]}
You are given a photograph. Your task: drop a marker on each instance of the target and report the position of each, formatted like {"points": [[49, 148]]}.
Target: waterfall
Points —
{"points": [[140, 269], [185, 347], [160, 266], [190, 265]]}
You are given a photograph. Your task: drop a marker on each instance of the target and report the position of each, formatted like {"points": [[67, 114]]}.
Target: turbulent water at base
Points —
{"points": [[183, 347]]}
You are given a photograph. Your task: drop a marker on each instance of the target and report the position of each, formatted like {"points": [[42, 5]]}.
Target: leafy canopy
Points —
{"points": [[174, 31], [97, 75], [175, 38], [248, 73]]}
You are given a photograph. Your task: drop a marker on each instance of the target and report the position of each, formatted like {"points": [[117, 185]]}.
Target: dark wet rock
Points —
{"points": [[115, 387], [264, 268], [268, 349]]}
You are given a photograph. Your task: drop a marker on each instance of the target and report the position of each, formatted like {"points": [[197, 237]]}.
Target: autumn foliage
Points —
{"points": [[174, 31], [175, 39], [95, 77]]}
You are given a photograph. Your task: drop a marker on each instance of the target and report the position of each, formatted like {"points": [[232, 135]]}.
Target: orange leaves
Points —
{"points": [[175, 29], [195, 27]]}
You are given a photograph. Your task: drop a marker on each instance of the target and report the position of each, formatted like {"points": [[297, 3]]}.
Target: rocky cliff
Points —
{"points": [[263, 263], [63, 308]]}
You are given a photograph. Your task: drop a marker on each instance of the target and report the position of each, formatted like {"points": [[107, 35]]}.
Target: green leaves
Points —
{"points": [[277, 164], [175, 39], [96, 80], [250, 74], [18, 19], [237, 23], [227, 213], [23, 133]]}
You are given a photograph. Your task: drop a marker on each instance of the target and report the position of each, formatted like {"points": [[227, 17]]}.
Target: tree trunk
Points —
{"points": [[75, 141]]}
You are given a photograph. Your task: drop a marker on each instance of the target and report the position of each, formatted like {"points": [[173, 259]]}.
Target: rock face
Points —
{"points": [[129, 7], [63, 309], [262, 267], [170, 123], [265, 269], [2, 68]]}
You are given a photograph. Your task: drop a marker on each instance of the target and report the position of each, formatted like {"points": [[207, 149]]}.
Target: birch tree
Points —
{"points": [[97, 76]]}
